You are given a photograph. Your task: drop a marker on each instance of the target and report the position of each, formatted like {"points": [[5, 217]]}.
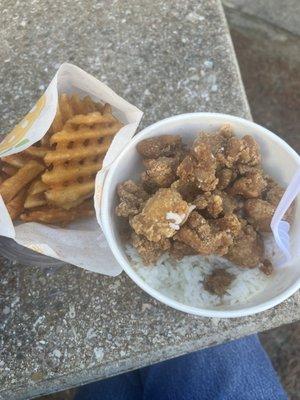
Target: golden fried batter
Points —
{"points": [[162, 215], [161, 146], [132, 198], [188, 190], [160, 172], [259, 213], [149, 251], [247, 249], [202, 237], [243, 151], [249, 186], [216, 203], [199, 167]]}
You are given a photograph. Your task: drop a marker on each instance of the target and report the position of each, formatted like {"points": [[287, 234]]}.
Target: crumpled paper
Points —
{"points": [[82, 243]]}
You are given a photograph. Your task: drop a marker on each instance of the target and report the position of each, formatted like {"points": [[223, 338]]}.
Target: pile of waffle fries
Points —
{"points": [[53, 180]]}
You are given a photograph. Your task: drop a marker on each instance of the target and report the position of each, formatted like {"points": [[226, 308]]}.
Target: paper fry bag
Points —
{"points": [[81, 243]]}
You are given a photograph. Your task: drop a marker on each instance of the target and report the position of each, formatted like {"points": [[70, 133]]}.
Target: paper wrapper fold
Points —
{"points": [[81, 243]]}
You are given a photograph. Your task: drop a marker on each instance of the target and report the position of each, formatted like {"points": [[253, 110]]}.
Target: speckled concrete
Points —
{"points": [[64, 327]]}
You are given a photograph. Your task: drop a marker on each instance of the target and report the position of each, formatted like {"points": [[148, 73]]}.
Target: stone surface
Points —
{"points": [[284, 14], [64, 327]]}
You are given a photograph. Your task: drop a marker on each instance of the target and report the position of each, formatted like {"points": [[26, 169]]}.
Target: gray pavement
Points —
{"points": [[65, 327]]}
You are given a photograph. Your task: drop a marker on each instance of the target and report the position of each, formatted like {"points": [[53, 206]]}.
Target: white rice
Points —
{"points": [[183, 280]]}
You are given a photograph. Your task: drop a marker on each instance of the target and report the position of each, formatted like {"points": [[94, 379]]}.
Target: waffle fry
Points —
{"points": [[36, 194], [15, 160], [53, 180], [35, 152], [59, 216], [9, 169], [78, 154], [15, 206], [12, 185]]}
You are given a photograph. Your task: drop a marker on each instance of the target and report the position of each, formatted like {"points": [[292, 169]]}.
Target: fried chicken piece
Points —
{"points": [[230, 223], [202, 237], [160, 146], [149, 251], [217, 141], [188, 190], [199, 167], [160, 172], [132, 198], [243, 169], [225, 176], [259, 213], [247, 249], [218, 282], [211, 202], [162, 215], [249, 186], [179, 250], [242, 151], [216, 203]]}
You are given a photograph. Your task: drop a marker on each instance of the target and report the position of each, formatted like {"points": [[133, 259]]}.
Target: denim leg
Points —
{"points": [[239, 370], [122, 387]]}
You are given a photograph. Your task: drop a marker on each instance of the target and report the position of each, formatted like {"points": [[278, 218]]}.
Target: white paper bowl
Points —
{"points": [[279, 160]]}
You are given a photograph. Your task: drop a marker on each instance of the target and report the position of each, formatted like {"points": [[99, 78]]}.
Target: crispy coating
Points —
{"points": [[188, 190], [179, 250], [160, 172], [216, 203], [259, 213], [162, 215], [161, 146], [218, 282], [149, 251], [243, 151], [132, 198], [225, 177], [249, 186], [230, 223], [202, 237], [247, 249], [199, 167]]}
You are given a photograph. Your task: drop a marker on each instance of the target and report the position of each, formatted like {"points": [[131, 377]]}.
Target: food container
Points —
{"points": [[279, 160], [80, 243]]}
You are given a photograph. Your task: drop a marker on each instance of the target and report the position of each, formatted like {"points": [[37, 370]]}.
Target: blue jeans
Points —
{"points": [[239, 370]]}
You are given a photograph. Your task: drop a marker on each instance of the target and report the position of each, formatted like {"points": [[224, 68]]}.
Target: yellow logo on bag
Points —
{"points": [[19, 132]]}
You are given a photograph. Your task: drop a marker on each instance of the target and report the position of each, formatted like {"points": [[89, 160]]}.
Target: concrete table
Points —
{"points": [[66, 327]]}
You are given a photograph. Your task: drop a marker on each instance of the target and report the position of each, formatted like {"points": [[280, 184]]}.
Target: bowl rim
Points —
{"points": [[107, 226]]}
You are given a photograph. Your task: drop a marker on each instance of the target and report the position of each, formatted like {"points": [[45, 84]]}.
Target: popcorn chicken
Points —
{"points": [[202, 237], [216, 203], [259, 213], [249, 186], [149, 251], [199, 167], [188, 190], [160, 172], [247, 249], [160, 146], [132, 198], [225, 176], [162, 215], [243, 151]]}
